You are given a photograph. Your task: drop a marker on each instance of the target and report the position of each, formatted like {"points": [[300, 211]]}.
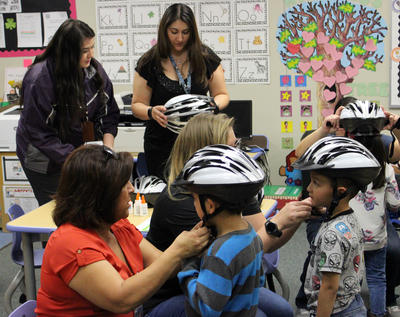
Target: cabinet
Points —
{"points": [[14, 186], [129, 139]]}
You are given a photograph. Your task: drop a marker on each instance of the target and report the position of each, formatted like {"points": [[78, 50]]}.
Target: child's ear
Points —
{"points": [[341, 190], [211, 205]]}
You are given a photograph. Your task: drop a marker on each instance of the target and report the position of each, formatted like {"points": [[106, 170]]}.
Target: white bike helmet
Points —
{"points": [[362, 118], [149, 184], [181, 108], [150, 187], [341, 157], [223, 173]]}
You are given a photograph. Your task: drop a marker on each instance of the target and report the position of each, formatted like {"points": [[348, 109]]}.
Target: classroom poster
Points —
{"points": [[238, 31]]}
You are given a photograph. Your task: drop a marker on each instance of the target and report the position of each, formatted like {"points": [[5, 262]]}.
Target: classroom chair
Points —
{"points": [[270, 263], [27, 309], [14, 212]]}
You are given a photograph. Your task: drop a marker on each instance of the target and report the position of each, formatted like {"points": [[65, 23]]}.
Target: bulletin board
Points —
{"points": [[10, 23], [238, 31]]}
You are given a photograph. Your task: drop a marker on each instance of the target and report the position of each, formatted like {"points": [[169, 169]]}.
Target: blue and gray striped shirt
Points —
{"points": [[226, 280]]}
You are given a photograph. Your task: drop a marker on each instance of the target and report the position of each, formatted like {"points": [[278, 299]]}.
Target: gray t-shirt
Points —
{"points": [[337, 248]]}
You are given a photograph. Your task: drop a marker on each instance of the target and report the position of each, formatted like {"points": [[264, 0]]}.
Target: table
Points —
{"points": [[268, 207], [40, 220]]}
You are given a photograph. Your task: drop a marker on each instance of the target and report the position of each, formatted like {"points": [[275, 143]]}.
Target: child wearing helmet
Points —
{"points": [[339, 167], [227, 278], [363, 121]]}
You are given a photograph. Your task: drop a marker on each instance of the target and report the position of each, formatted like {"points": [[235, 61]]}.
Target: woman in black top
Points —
{"points": [[178, 64], [174, 210]]}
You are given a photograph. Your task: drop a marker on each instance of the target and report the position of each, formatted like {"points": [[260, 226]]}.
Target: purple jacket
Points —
{"points": [[39, 147]]}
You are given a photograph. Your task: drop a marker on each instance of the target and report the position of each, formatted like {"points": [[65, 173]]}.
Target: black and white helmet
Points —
{"points": [[149, 185], [362, 118], [181, 108], [223, 172], [341, 157]]}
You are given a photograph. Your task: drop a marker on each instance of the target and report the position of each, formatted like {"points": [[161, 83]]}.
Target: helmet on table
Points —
{"points": [[181, 108], [362, 118], [150, 187], [223, 173]]}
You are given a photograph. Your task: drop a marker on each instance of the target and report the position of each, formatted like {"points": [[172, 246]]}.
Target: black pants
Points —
{"points": [[44, 185]]}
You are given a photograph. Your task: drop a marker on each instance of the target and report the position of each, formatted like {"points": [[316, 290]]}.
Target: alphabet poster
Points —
{"points": [[236, 30]]}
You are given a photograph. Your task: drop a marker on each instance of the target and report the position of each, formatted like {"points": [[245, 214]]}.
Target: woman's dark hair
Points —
{"points": [[65, 51], [376, 147], [372, 143], [90, 184], [344, 101], [196, 50]]}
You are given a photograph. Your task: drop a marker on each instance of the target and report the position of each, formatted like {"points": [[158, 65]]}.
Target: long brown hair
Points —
{"points": [[197, 52], [65, 51], [201, 130], [90, 183]]}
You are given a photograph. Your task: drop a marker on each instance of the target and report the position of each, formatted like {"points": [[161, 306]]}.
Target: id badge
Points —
{"points": [[87, 131], [139, 311]]}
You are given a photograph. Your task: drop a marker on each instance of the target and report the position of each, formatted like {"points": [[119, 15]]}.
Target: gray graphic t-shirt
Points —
{"points": [[337, 248]]}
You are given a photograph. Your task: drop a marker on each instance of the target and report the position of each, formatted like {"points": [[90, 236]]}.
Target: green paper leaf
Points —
{"points": [[284, 36], [346, 7], [336, 42], [311, 27], [10, 24], [310, 73], [292, 63], [297, 40], [357, 50], [312, 43], [317, 58], [369, 65]]}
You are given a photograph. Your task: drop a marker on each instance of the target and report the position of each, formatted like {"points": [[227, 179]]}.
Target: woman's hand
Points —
{"points": [[190, 243], [158, 115], [293, 213], [391, 119]]}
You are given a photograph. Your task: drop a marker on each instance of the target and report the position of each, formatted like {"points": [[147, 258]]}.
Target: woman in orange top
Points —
{"points": [[97, 263]]}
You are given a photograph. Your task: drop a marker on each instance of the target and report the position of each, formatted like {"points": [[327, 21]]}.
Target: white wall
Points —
{"points": [[266, 98]]}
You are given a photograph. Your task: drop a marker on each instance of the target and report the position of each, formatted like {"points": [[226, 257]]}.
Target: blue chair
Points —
{"points": [[14, 212], [270, 263], [27, 309]]}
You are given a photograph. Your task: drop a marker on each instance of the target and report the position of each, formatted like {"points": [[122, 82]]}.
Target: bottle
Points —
{"points": [[136, 205], [143, 207], [130, 207]]}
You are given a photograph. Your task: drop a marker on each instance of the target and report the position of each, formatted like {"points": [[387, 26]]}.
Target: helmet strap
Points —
{"points": [[207, 216], [336, 197]]}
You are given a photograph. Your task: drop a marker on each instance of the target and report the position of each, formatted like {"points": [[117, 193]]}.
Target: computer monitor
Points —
{"points": [[241, 110]]}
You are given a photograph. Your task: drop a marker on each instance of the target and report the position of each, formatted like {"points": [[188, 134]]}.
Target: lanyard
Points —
{"points": [[186, 87]]}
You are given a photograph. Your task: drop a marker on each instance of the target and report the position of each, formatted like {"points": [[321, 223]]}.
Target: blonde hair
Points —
{"points": [[201, 130]]}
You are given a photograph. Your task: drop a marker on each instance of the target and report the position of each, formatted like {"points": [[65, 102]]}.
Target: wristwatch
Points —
{"points": [[150, 113], [272, 229]]}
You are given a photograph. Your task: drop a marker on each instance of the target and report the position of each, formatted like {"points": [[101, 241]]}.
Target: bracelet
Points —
{"points": [[149, 113]]}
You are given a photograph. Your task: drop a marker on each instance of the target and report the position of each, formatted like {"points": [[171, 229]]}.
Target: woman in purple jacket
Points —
{"points": [[67, 100]]}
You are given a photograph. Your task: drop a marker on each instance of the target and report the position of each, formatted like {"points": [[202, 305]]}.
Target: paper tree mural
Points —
{"points": [[331, 41]]}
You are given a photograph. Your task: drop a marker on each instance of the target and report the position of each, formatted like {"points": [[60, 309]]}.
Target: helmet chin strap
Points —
{"points": [[336, 197], [206, 217]]}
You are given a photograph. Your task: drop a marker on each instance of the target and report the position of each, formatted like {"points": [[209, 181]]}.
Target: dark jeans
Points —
{"points": [[43, 185], [311, 230], [392, 263]]}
